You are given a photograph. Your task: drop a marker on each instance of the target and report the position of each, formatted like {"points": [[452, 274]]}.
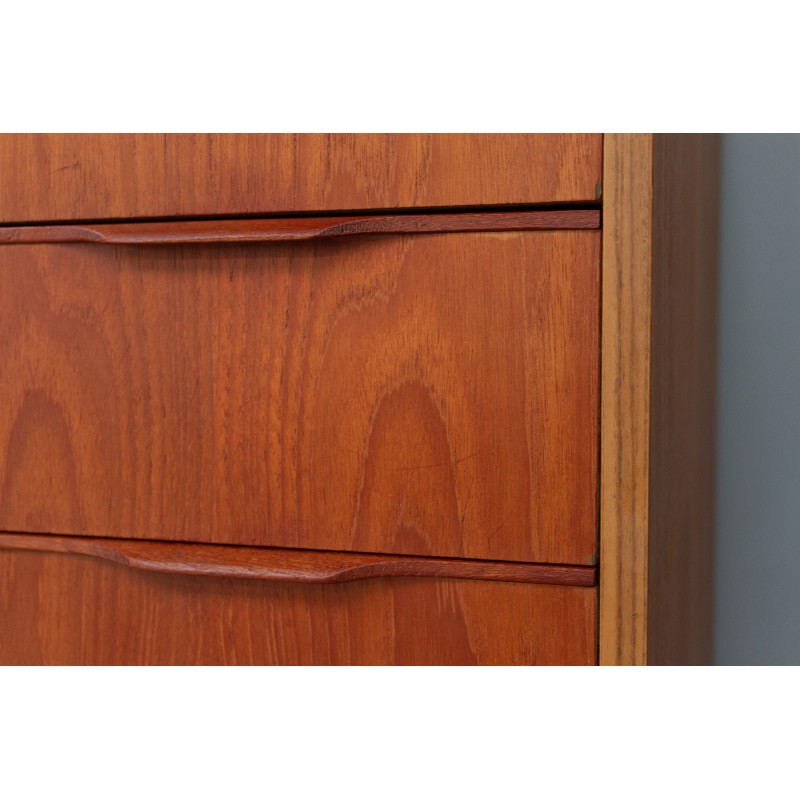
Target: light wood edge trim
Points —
{"points": [[295, 566], [625, 397], [300, 228]]}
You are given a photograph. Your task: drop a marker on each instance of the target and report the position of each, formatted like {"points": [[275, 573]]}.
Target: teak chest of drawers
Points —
{"points": [[356, 399]]}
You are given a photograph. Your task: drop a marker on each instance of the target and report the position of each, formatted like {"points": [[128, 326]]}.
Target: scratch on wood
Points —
{"points": [[66, 166], [440, 464]]}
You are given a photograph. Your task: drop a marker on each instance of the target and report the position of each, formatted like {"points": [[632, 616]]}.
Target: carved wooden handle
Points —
{"points": [[296, 566], [299, 228]]}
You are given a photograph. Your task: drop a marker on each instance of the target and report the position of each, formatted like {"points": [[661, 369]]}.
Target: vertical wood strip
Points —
{"points": [[625, 397]]}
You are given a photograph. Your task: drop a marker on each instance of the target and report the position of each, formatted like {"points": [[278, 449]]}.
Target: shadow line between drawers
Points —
{"points": [[298, 229], [294, 566]]}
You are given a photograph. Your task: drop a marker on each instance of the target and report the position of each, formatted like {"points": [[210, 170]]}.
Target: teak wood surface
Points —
{"points": [[658, 377], [294, 566], [426, 395], [60, 177], [299, 228], [70, 609], [400, 395]]}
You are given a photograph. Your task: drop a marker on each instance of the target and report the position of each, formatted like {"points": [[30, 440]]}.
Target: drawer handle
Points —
{"points": [[293, 566], [296, 229]]}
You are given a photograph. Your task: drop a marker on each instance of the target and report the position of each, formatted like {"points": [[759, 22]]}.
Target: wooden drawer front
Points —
{"points": [[429, 394], [70, 609], [50, 177]]}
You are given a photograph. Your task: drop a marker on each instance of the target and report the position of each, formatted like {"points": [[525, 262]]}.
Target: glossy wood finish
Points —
{"points": [[658, 355], [293, 566], [69, 609], [59, 177], [296, 229], [425, 395]]}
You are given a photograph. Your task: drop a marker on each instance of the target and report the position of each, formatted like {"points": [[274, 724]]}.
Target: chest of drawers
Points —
{"points": [[356, 399]]}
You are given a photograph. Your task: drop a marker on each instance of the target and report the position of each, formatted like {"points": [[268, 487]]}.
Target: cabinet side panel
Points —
{"points": [[685, 235], [72, 609]]}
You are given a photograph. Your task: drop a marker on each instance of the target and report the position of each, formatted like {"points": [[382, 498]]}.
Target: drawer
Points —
{"points": [[430, 394], [65, 608], [51, 177]]}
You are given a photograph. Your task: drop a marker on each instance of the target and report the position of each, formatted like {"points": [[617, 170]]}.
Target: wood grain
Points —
{"points": [[294, 566], [657, 398], [298, 228], [70, 609], [625, 398], [414, 395], [58, 177]]}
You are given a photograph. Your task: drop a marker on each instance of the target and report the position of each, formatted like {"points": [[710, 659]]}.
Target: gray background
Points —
{"points": [[758, 423]]}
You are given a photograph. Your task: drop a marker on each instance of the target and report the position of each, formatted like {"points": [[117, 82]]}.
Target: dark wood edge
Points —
{"points": [[295, 566], [301, 228]]}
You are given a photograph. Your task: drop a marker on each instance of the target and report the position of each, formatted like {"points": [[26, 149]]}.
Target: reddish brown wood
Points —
{"points": [[296, 566], [426, 395], [69, 609], [52, 177], [298, 228]]}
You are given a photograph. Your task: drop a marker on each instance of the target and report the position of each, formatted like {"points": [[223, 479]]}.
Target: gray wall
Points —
{"points": [[758, 451]]}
